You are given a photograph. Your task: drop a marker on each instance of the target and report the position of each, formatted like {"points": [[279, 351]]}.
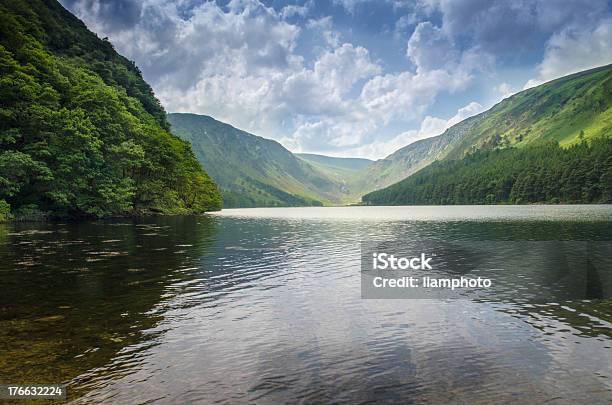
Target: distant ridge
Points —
{"points": [[341, 163], [253, 171]]}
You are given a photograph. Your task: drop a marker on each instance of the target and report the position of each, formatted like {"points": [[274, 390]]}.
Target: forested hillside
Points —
{"points": [[411, 158], [567, 110], [253, 171], [81, 133], [542, 173]]}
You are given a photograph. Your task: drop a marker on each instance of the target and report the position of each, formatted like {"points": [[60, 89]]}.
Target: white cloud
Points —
{"points": [[575, 49], [321, 90], [464, 112], [292, 74], [340, 133], [350, 5], [405, 95], [227, 63], [430, 48], [429, 127], [240, 66], [403, 24], [504, 90], [324, 26], [343, 67], [330, 121], [294, 10]]}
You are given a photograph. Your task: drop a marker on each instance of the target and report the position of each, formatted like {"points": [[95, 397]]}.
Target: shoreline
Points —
{"points": [[50, 219]]}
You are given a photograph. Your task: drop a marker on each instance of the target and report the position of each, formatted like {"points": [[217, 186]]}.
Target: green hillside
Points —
{"points": [[566, 111], [344, 171], [349, 164], [81, 133], [411, 158], [253, 171], [546, 144], [543, 173]]}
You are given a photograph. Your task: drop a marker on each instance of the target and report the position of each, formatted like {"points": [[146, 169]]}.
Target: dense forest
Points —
{"points": [[81, 133], [542, 173]]}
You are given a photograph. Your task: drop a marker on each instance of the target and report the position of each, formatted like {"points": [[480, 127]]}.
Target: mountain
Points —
{"points": [[344, 171], [81, 133], [411, 158], [348, 164], [253, 171], [541, 173], [553, 138], [566, 110]]}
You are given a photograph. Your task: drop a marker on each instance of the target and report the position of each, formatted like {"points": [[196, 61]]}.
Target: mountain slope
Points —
{"points": [[81, 132], [550, 143], [543, 173], [342, 170], [251, 170], [566, 110], [349, 164], [411, 158]]}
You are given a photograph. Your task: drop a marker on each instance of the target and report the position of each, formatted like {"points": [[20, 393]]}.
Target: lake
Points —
{"points": [[264, 306]]}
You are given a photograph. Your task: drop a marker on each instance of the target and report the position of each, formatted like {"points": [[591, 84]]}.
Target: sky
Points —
{"points": [[353, 78]]}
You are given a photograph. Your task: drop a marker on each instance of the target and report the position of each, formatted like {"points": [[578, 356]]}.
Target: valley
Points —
{"points": [[253, 171]]}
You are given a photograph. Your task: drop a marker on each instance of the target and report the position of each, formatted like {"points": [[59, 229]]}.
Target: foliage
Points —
{"points": [[81, 133], [543, 172], [5, 210]]}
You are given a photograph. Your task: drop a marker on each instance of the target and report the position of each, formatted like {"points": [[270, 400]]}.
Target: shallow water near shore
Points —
{"points": [[264, 305]]}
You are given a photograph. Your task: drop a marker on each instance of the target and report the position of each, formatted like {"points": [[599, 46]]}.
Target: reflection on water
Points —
{"points": [[74, 296], [264, 306]]}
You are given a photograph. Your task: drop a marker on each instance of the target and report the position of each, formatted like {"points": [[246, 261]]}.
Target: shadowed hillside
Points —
{"points": [[253, 171]]}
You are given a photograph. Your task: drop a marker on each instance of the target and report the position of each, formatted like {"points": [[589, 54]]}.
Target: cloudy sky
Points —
{"points": [[349, 77]]}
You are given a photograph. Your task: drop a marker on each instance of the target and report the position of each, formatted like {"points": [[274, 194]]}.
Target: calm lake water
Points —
{"points": [[264, 306]]}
